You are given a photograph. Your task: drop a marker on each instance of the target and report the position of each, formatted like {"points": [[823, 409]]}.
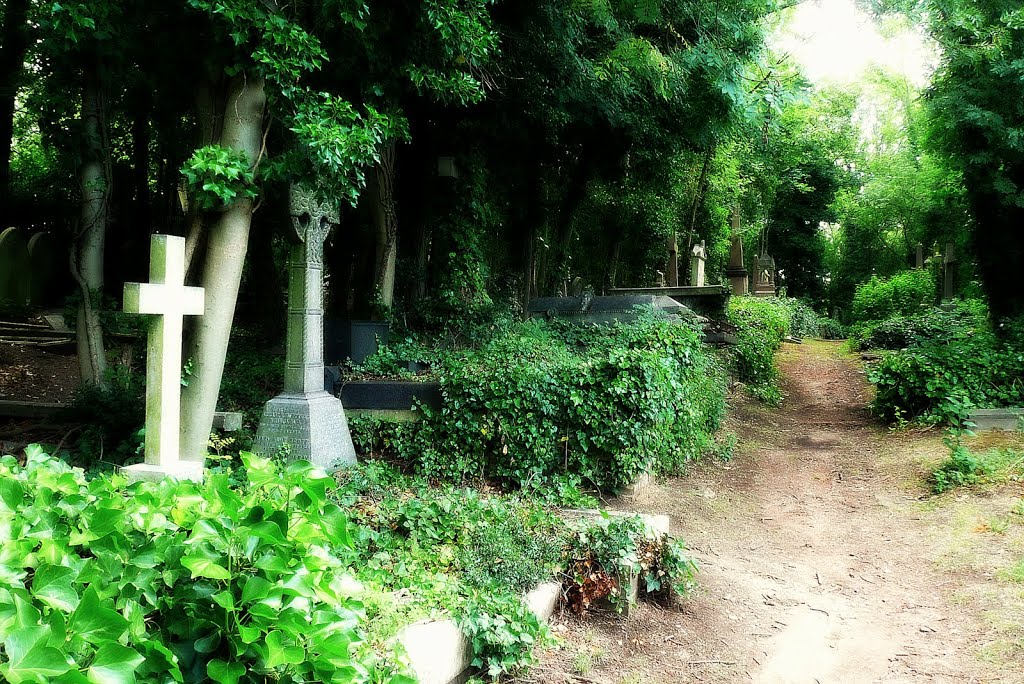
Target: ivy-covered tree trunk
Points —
{"points": [[386, 216], [222, 272], [88, 248], [12, 55]]}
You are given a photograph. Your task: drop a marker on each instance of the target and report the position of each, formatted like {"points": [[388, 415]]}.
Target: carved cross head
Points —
{"points": [[312, 219]]}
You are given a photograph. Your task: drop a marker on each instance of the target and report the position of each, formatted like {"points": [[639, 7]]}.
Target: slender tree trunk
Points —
{"points": [[222, 273], [698, 196], [571, 200], [88, 248], [12, 57], [386, 216]]}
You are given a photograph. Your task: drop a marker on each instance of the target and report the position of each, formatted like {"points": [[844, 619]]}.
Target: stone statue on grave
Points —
{"points": [[305, 421], [764, 276]]}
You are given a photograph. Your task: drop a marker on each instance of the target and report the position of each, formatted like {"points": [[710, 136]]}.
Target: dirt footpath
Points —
{"points": [[817, 563]]}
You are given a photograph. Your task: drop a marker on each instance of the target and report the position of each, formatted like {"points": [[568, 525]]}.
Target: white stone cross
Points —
{"points": [[167, 297]]}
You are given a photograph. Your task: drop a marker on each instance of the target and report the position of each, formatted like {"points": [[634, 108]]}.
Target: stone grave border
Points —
{"points": [[1007, 419], [439, 653]]}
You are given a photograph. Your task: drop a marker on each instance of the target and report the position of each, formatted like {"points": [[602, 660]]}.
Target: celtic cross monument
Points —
{"points": [[305, 421]]}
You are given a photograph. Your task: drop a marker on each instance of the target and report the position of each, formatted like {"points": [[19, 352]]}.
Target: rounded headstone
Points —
{"points": [[45, 276], [15, 268]]}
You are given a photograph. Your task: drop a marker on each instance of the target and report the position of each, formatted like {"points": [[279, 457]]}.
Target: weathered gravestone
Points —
{"points": [[603, 310], [15, 272], [919, 256], [948, 271], [306, 421], [46, 269], [167, 297], [764, 276], [672, 268], [698, 258], [737, 270]]}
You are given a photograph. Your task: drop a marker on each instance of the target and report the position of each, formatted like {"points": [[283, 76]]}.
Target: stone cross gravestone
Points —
{"points": [[15, 271], [304, 419], [698, 258], [167, 297]]}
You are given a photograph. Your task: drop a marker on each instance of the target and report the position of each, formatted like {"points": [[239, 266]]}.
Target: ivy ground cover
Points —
{"points": [[281, 573]]}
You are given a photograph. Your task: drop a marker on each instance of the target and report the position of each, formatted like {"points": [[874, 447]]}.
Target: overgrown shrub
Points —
{"points": [[604, 403], [936, 324], [177, 581], [903, 294], [112, 417], [803, 319], [949, 354], [762, 324]]}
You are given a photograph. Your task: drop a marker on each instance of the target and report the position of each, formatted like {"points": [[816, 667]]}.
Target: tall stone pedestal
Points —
{"points": [[304, 419], [308, 426]]}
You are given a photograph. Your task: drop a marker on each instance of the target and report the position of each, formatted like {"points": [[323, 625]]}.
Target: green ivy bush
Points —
{"points": [[948, 354], [761, 325], [804, 321], [179, 582], [544, 400], [903, 294]]}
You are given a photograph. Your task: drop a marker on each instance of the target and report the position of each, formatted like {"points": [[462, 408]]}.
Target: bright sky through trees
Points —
{"points": [[835, 41]]}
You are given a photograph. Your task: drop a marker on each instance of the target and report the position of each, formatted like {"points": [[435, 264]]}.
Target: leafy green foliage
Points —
{"points": [[903, 294], [112, 417], [603, 403], [948, 354], [761, 324], [977, 125], [178, 581], [218, 176], [608, 552]]}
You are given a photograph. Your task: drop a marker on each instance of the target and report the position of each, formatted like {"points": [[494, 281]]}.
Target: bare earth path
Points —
{"points": [[816, 565]]}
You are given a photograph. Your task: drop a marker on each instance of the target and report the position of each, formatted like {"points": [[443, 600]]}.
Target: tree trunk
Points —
{"points": [[88, 248], [12, 57], [698, 196], [386, 217], [222, 273]]}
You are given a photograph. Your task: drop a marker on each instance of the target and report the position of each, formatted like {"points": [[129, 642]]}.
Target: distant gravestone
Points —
{"points": [[167, 297], [919, 256], [698, 258], [764, 276], [672, 268], [15, 271], [948, 270], [45, 260], [305, 419]]}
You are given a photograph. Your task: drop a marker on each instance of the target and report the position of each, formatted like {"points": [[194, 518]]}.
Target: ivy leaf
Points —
{"points": [[52, 586], [29, 659], [95, 622], [114, 664], [204, 567], [278, 653], [225, 673]]}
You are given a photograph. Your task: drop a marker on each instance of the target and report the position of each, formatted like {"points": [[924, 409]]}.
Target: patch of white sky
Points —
{"points": [[835, 42]]}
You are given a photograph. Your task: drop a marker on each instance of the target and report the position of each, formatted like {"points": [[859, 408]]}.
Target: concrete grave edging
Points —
{"points": [[438, 651], [1008, 419]]}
